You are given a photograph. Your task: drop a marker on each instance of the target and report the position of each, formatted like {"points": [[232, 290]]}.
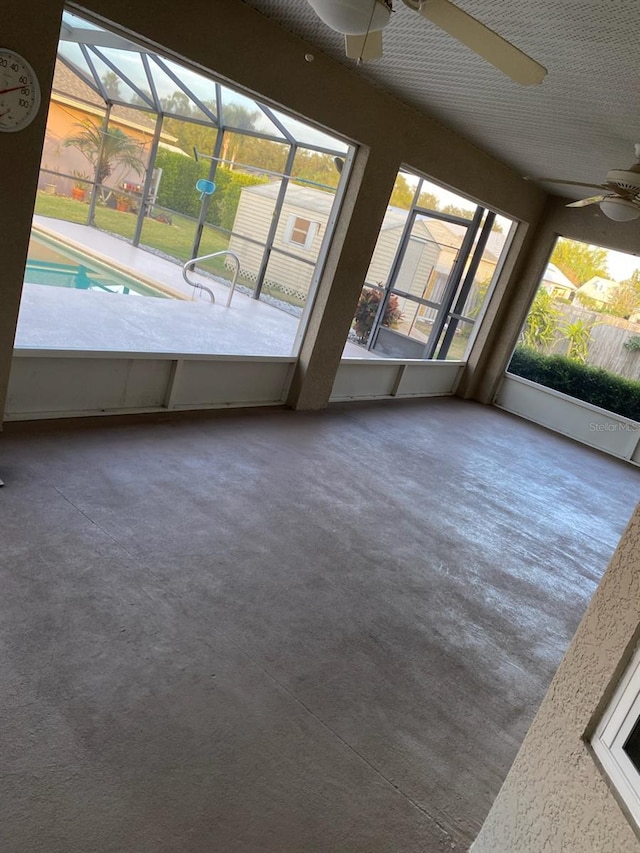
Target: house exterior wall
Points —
{"points": [[423, 275], [383, 255], [555, 799], [62, 122], [253, 219]]}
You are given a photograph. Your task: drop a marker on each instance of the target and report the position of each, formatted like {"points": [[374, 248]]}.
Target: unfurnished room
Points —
{"points": [[320, 405]]}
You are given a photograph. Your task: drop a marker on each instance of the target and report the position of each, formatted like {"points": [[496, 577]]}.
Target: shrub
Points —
{"points": [[225, 200], [178, 188], [542, 321], [590, 384], [633, 344], [578, 335], [367, 310]]}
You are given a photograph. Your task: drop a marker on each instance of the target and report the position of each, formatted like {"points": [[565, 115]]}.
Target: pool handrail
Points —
{"points": [[190, 264]]}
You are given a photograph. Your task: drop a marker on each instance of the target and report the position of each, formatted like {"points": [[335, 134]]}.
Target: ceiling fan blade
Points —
{"points": [[594, 199], [368, 46], [567, 183], [480, 39]]}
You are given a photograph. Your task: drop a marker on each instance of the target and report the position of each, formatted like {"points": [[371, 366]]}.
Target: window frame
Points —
{"points": [[617, 722], [291, 227]]}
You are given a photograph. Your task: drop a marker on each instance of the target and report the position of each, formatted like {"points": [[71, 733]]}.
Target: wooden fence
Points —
{"points": [[608, 336]]}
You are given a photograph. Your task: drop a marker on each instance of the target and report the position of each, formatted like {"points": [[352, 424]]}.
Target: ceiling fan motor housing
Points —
{"points": [[353, 17], [626, 180]]}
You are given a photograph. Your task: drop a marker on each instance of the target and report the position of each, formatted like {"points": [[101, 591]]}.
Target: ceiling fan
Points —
{"points": [[621, 202], [362, 22]]}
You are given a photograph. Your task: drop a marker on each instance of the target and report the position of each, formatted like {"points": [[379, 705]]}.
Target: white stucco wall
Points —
{"points": [[555, 799]]}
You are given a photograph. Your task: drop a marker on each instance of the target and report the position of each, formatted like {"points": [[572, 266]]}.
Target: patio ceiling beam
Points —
{"points": [[272, 117], [101, 38], [206, 110], [152, 84], [96, 77], [275, 220], [257, 134], [119, 73]]}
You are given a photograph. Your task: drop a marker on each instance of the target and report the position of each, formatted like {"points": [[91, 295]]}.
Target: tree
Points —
{"points": [[402, 195], [316, 167], [106, 150], [476, 298], [579, 261], [111, 83], [180, 104], [454, 210], [625, 298]]}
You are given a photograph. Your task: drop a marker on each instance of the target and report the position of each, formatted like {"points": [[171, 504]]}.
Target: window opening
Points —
{"points": [[433, 266]]}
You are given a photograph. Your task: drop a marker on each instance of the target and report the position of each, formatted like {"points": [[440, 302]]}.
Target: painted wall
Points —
{"points": [[555, 799], [34, 34]]}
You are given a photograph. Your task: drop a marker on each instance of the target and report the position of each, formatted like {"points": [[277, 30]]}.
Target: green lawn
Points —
{"points": [[175, 240]]}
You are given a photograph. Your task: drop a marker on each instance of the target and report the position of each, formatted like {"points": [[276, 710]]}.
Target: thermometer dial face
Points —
{"points": [[19, 91]]}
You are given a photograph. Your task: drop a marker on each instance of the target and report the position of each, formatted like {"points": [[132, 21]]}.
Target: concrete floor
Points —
{"points": [[63, 318], [285, 632]]}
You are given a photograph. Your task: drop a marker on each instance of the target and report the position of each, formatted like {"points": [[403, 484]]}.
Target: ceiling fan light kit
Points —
{"points": [[619, 209]]}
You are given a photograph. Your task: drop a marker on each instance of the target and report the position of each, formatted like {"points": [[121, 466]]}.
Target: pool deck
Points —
{"points": [[63, 318]]}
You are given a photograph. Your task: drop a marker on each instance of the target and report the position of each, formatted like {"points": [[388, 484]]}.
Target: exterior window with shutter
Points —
{"points": [[300, 232]]}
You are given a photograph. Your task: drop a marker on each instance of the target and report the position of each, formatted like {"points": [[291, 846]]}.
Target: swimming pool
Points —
{"points": [[52, 264]]}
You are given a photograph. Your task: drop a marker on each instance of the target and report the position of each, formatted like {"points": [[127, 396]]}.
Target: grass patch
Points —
{"points": [[175, 240]]}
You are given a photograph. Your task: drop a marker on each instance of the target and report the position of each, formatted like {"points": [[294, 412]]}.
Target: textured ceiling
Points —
{"points": [[580, 122]]}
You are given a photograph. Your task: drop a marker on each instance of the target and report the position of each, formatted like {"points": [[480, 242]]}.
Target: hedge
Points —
{"points": [[178, 188], [589, 384]]}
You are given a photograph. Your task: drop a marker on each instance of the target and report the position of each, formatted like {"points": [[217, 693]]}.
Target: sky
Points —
{"points": [[621, 265]]}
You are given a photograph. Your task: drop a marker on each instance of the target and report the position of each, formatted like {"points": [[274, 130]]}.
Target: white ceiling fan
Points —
{"points": [[621, 202], [362, 22]]}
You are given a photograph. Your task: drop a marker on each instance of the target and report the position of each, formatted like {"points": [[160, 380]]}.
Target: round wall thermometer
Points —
{"points": [[19, 91]]}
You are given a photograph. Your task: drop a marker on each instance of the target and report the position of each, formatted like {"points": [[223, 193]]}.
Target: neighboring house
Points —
{"points": [[598, 289], [73, 102], [431, 251], [557, 284]]}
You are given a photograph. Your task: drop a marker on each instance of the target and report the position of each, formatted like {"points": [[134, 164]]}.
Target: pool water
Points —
{"points": [[54, 265]]}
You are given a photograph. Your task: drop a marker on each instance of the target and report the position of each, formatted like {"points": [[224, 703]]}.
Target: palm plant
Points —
{"points": [[542, 322], [106, 150], [578, 334]]}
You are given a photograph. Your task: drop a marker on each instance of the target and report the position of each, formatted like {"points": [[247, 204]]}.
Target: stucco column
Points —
{"points": [[32, 29], [555, 799], [355, 236], [506, 311]]}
